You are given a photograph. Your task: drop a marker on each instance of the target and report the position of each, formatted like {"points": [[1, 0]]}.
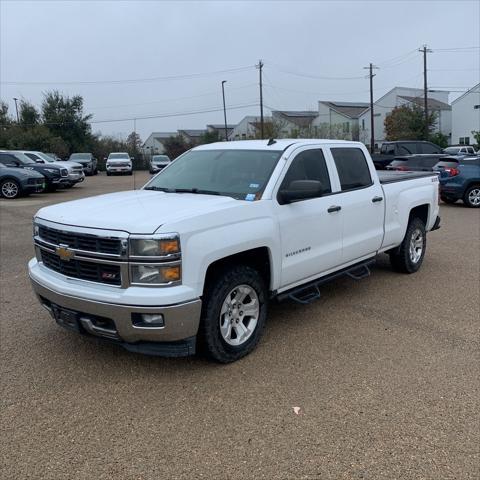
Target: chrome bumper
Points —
{"points": [[181, 320]]}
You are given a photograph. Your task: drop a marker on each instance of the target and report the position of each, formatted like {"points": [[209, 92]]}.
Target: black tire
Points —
{"points": [[51, 188], [108, 174], [130, 173], [95, 172], [10, 188], [471, 196], [224, 283], [448, 199], [401, 258]]}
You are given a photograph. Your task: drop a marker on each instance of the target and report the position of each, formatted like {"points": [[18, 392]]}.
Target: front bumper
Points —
{"points": [[115, 169], [113, 321]]}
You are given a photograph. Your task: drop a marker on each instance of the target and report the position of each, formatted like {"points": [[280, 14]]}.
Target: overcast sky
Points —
{"points": [[53, 44]]}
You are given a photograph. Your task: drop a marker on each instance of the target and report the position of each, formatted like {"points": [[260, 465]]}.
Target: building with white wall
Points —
{"points": [[154, 143], [398, 96], [466, 117], [248, 127]]}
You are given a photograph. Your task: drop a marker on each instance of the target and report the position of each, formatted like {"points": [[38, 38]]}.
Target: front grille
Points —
{"points": [[64, 172], [77, 169], [81, 241], [94, 272], [35, 181], [124, 164]]}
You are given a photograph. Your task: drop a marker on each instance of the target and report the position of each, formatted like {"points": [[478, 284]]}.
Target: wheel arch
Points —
{"points": [[259, 258]]}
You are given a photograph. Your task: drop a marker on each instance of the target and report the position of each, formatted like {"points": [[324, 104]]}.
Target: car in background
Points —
{"points": [[88, 162], [390, 150], [54, 156], [15, 182], [119, 162], [460, 151], [75, 170], [461, 182], [158, 163], [415, 163], [55, 175]]}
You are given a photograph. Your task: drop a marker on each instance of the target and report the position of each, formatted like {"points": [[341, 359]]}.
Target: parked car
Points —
{"points": [[460, 151], [415, 163], [15, 182], [200, 250], [119, 162], [75, 170], [158, 162], [390, 150], [55, 175], [461, 182], [54, 156], [87, 160]]}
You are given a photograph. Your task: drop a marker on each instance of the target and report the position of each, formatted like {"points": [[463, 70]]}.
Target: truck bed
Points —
{"points": [[387, 176]]}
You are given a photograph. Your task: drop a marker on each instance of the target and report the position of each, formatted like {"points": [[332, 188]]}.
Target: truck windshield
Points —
{"points": [[241, 174], [119, 156], [80, 156]]}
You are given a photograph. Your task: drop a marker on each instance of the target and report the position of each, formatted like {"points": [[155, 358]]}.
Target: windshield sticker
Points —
{"points": [[250, 197], [254, 185]]}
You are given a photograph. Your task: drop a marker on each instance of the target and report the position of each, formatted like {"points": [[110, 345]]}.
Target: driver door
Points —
{"points": [[311, 235]]}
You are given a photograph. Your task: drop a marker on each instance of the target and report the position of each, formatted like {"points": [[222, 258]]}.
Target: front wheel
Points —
{"points": [[408, 257], [10, 189], [233, 314], [471, 197]]}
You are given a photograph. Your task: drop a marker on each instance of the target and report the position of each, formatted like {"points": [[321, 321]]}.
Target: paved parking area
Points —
{"points": [[385, 372]]}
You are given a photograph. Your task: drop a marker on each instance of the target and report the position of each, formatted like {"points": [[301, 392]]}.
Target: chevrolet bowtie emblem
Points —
{"points": [[64, 253]]}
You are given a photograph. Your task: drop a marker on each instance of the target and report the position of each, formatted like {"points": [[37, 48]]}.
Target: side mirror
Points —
{"points": [[300, 190], [104, 159], [39, 160], [132, 158]]}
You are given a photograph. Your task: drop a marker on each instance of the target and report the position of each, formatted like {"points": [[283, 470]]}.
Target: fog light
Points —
{"points": [[148, 320]]}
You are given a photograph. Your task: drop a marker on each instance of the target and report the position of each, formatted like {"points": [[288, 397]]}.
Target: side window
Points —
{"points": [[352, 168], [7, 159], [429, 148], [308, 165]]}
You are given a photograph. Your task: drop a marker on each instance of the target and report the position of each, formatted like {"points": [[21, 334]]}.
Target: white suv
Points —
{"points": [[119, 163]]}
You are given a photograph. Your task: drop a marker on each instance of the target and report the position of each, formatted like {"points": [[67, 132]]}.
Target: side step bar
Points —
{"points": [[310, 291]]}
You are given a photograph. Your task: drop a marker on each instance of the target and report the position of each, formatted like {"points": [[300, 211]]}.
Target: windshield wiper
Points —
{"points": [[195, 190], [160, 189]]}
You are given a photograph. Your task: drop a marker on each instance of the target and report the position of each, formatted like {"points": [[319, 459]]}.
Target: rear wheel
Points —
{"points": [[471, 198], [408, 257], [233, 314], [10, 188]]}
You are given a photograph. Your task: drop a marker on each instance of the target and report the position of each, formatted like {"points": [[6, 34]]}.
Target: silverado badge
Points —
{"points": [[64, 253]]}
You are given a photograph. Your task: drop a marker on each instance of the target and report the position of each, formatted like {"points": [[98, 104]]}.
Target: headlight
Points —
{"points": [[155, 274], [51, 170], [154, 247]]}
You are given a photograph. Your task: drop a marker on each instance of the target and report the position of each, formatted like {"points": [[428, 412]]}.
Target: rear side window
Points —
{"points": [[7, 159], [352, 168], [430, 148], [308, 165]]}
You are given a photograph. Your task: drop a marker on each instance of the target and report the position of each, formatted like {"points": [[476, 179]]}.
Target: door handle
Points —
{"points": [[377, 199], [334, 208]]}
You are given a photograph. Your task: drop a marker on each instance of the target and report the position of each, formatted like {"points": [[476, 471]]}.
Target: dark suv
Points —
{"points": [[390, 150], [87, 160], [55, 176]]}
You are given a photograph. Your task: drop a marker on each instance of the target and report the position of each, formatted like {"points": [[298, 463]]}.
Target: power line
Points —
{"points": [[282, 69], [131, 81]]}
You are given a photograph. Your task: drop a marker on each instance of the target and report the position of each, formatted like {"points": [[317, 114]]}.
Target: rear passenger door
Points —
{"points": [[361, 203]]}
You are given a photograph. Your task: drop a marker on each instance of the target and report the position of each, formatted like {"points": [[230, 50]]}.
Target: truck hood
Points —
{"points": [[138, 211], [119, 160]]}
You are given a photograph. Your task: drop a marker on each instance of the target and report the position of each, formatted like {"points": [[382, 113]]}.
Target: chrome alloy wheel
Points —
{"points": [[416, 246], [9, 189], [474, 196], [239, 315]]}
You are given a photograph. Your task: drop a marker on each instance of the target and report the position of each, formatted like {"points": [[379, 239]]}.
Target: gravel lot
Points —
{"points": [[385, 372]]}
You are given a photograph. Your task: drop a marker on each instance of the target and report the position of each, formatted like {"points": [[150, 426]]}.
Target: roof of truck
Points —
{"points": [[280, 144]]}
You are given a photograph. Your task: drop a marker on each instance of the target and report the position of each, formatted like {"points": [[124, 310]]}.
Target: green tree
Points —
{"points": [[408, 123], [28, 114], [210, 137], [439, 139], [64, 117], [175, 146], [134, 143], [476, 136]]}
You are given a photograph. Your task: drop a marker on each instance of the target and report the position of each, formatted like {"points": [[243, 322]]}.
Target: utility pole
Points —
{"points": [[260, 66], [224, 110], [16, 108], [425, 50], [372, 124]]}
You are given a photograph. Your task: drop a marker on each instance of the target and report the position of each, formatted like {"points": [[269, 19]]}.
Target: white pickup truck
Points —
{"points": [[194, 257]]}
